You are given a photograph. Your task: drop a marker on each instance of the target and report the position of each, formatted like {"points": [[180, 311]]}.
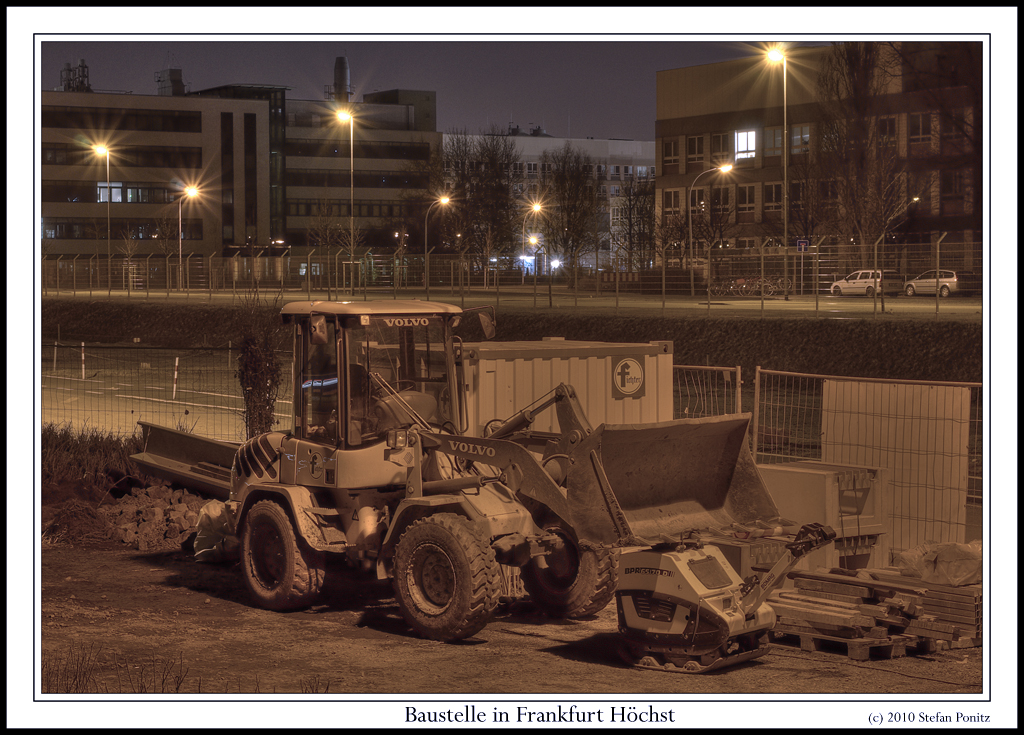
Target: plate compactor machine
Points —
{"points": [[681, 605]]}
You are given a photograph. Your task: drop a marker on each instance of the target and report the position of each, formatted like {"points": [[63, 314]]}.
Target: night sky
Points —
{"points": [[600, 89]]}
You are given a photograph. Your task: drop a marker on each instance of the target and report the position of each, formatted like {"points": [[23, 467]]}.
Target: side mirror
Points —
{"points": [[318, 329]]}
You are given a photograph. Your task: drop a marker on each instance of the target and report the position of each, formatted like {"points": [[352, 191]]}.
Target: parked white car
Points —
{"points": [[863, 283], [926, 283]]}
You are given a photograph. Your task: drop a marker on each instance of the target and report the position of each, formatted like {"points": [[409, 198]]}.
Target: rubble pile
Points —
{"points": [[154, 517]]}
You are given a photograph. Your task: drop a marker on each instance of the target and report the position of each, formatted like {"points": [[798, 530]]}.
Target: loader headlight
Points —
{"points": [[398, 439]]}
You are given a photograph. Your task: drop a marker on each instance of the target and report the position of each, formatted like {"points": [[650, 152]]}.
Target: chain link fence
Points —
{"points": [[111, 389], [734, 272]]}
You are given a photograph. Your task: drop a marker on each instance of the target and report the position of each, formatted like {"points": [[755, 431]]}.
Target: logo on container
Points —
{"points": [[627, 378]]}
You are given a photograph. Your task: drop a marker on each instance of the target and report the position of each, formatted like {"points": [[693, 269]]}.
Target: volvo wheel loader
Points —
{"points": [[378, 468]]}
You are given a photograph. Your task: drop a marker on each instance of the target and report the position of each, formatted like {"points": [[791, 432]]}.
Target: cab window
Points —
{"points": [[319, 388]]}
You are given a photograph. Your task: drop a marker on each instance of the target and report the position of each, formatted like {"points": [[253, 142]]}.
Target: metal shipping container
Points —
{"points": [[616, 383]]}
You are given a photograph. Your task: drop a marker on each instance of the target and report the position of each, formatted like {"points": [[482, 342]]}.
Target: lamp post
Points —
{"points": [[426, 251], [346, 117], [880, 273], [533, 209], [105, 152], [689, 214], [190, 191], [775, 56]]}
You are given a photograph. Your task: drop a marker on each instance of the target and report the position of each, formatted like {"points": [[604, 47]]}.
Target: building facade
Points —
{"points": [[924, 111]]}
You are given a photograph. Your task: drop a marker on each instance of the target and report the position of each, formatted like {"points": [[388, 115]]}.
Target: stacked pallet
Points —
{"points": [[875, 613]]}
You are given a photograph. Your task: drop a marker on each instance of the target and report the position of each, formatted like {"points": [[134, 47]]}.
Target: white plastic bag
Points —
{"points": [[214, 539]]}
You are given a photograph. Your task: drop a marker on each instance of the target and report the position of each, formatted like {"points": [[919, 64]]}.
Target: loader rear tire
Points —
{"points": [[281, 571], [447, 581], [573, 581]]}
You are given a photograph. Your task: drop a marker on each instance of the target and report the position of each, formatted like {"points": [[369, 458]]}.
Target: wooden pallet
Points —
{"points": [[857, 649]]}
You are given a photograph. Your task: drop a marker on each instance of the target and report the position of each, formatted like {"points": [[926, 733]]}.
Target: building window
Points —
{"points": [[773, 141], [745, 198], [773, 197], [615, 172], [745, 242], [531, 169], [641, 172], [719, 148], [720, 199], [670, 151], [920, 127], [627, 172], [696, 200], [115, 191], [616, 190], [887, 130], [695, 149], [600, 170], [796, 194], [616, 215], [951, 184], [801, 138], [670, 202], [744, 144]]}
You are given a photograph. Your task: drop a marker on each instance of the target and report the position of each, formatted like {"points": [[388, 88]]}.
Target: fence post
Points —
{"points": [[83, 361], [229, 353], [754, 413], [739, 392], [174, 389]]}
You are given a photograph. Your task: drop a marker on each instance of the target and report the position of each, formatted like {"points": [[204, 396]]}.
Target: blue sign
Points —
{"points": [[801, 245]]}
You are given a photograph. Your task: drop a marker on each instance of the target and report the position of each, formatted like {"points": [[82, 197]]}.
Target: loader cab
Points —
{"points": [[364, 370]]}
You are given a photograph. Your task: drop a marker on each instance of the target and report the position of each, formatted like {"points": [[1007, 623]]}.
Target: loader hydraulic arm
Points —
{"points": [[754, 591]]}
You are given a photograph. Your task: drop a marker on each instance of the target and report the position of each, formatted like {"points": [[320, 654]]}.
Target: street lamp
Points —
{"points": [[533, 209], [880, 274], [190, 191], [105, 152], [689, 193], [775, 56], [347, 117], [426, 252]]}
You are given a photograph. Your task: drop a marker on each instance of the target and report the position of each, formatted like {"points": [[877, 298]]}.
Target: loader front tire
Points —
{"points": [[447, 581], [572, 581], [280, 570]]}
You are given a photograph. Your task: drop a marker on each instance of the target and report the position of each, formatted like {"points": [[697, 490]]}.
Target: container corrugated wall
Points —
{"points": [[505, 377]]}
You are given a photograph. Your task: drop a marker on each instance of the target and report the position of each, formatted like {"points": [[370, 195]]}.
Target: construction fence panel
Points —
{"points": [[705, 391], [928, 435], [111, 389]]}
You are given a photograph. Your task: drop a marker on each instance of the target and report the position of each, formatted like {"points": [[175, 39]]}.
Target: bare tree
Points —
{"points": [[572, 206], [634, 227], [858, 144], [128, 246]]}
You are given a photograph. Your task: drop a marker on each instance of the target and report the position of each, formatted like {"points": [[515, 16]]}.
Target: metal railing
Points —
{"points": [[706, 391]]}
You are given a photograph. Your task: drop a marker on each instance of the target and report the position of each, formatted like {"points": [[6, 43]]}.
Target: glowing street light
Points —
{"points": [[190, 192], [426, 253], [535, 209], [775, 56], [346, 117], [105, 152], [689, 193]]}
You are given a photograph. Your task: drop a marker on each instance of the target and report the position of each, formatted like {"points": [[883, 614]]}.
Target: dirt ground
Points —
{"points": [[160, 622]]}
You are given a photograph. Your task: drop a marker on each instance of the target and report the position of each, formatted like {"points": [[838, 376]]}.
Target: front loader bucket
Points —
{"points": [[633, 485]]}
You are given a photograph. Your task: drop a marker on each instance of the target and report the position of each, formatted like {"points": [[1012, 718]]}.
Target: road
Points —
{"points": [[522, 297]]}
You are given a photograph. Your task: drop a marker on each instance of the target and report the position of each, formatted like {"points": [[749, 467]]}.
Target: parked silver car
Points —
{"points": [[926, 283], [863, 283]]}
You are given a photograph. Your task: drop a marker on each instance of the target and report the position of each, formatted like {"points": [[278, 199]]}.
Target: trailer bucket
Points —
{"points": [[637, 485]]}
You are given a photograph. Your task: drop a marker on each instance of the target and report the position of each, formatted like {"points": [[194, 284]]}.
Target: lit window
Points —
{"points": [[744, 144]]}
